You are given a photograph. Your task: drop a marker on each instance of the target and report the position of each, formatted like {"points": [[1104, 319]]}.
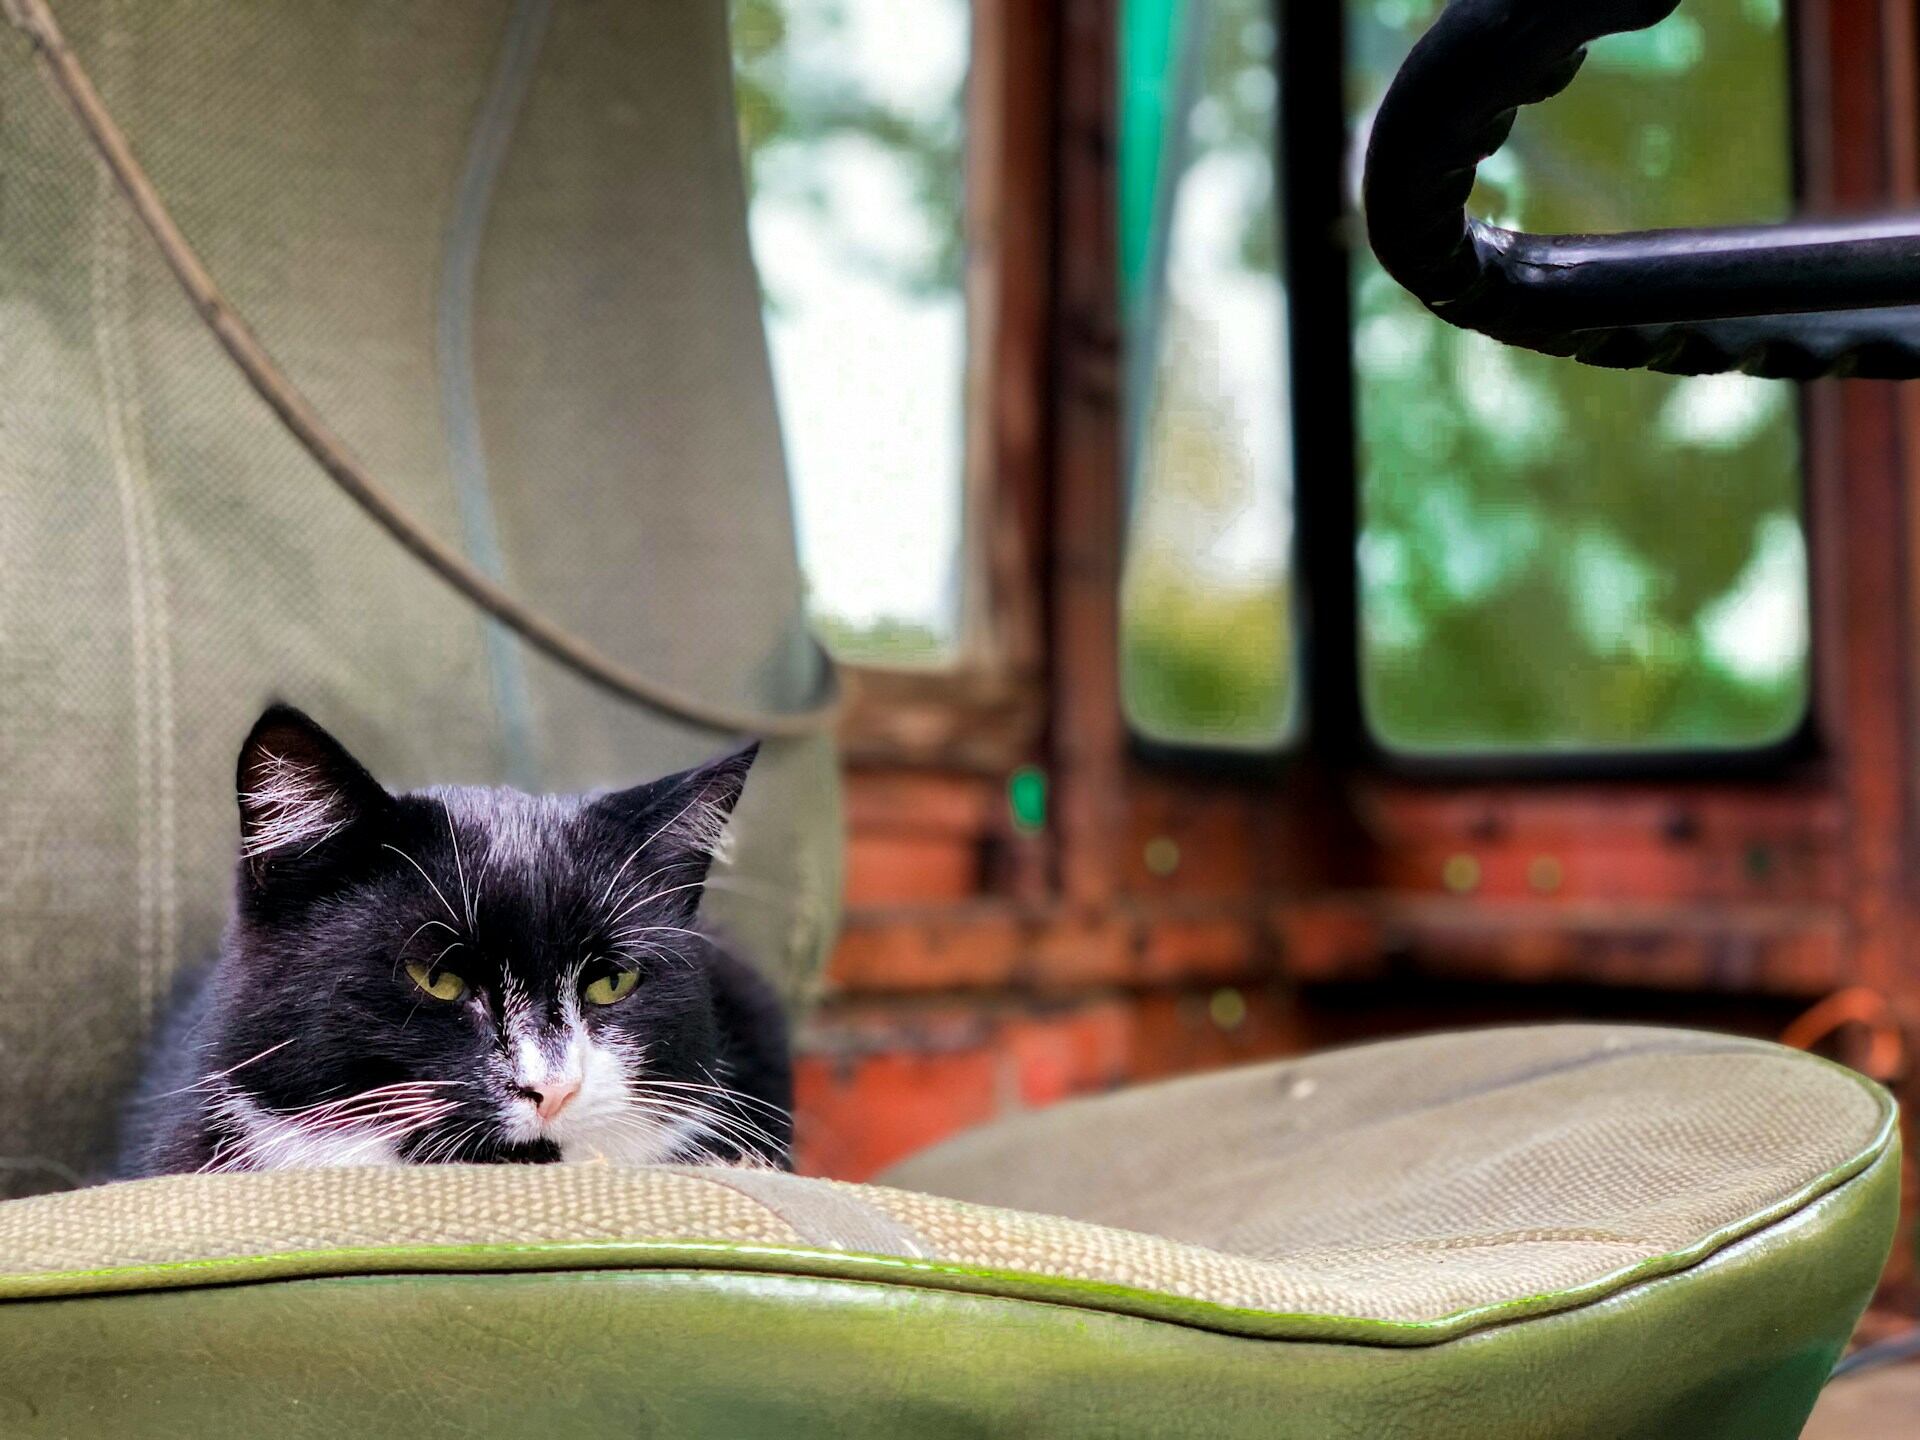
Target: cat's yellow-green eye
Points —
{"points": [[610, 989], [440, 984]]}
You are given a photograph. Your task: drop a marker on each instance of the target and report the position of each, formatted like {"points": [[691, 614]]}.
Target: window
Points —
{"points": [[852, 119], [1559, 558], [1206, 603]]}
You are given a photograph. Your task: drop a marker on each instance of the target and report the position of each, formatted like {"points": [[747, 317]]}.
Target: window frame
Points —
{"points": [[1195, 755], [1670, 897], [1320, 229], [1785, 758]]}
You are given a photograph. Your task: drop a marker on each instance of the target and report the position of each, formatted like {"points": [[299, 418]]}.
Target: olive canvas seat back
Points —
{"points": [[502, 245]]}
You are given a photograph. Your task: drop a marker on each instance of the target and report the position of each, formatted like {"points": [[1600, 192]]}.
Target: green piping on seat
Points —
{"points": [[1882, 1151]]}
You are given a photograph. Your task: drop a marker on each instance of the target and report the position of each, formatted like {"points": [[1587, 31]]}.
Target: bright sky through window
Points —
{"points": [[852, 112]]}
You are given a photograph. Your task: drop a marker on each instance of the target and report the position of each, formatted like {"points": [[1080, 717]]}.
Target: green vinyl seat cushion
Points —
{"points": [[1558, 1232]]}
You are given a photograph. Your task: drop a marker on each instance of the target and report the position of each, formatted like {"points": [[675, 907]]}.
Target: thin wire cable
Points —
{"points": [[35, 19]]}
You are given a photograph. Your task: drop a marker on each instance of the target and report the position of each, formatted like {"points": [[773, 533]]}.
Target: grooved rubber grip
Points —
{"points": [[1794, 301]]}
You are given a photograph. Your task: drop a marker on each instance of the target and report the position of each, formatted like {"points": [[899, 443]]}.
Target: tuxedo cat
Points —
{"points": [[464, 975]]}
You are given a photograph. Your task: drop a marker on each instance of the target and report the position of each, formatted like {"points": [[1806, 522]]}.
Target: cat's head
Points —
{"points": [[469, 974]]}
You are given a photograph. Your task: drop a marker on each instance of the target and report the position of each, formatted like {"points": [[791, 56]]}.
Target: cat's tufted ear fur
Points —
{"points": [[298, 789], [680, 820]]}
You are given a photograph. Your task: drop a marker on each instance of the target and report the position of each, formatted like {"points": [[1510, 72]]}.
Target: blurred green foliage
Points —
{"points": [[1205, 657], [1204, 669], [887, 643]]}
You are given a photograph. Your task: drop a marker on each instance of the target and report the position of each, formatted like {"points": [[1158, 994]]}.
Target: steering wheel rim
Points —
{"points": [[1792, 301]]}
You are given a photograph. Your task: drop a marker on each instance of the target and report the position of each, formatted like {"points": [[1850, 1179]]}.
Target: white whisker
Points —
{"points": [[739, 1097], [460, 865], [737, 1130], [426, 877], [635, 932], [607, 894], [651, 897], [364, 1128], [426, 925], [222, 1074]]}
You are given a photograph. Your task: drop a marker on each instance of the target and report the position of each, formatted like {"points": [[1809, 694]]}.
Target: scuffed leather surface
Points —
{"points": [[1733, 1349]]}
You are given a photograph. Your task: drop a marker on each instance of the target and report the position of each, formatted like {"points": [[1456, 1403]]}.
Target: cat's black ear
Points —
{"points": [[298, 788], [679, 821]]}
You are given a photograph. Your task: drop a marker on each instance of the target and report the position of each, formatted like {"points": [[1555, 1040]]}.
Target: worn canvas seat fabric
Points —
{"points": [[502, 245], [1558, 1232]]}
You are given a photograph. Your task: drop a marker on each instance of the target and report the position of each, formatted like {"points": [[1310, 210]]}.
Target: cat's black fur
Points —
{"points": [[529, 900]]}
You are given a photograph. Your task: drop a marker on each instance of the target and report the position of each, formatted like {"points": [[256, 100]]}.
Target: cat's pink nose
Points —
{"points": [[553, 1095]]}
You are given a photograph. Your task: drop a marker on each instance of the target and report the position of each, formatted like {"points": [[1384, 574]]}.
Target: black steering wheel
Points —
{"points": [[1793, 301]]}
